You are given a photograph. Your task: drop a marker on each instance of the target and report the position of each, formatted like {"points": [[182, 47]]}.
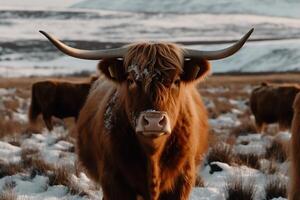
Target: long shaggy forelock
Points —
{"points": [[161, 57]]}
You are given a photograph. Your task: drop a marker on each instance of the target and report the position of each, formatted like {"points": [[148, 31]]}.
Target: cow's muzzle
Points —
{"points": [[153, 124]]}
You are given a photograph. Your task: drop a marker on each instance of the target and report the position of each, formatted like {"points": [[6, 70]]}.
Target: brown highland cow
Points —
{"points": [[58, 99], [294, 192], [143, 129], [271, 103]]}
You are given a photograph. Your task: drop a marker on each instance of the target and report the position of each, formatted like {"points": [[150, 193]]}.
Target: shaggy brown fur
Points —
{"points": [[294, 193], [151, 76], [273, 103], [58, 99]]}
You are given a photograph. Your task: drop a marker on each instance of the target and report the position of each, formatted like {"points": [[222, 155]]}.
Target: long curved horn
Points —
{"points": [[219, 54], [85, 54]]}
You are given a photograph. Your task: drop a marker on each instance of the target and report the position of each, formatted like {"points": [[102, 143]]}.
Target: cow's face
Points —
{"points": [[153, 81]]}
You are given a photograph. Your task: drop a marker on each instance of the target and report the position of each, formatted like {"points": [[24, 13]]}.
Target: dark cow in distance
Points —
{"points": [[272, 103], [57, 98], [143, 130]]}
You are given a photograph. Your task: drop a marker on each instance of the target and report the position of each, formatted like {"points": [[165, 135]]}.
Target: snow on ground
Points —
{"points": [[53, 172]]}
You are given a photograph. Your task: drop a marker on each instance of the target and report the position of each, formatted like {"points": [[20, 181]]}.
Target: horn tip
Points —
{"points": [[250, 31], [43, 32]]}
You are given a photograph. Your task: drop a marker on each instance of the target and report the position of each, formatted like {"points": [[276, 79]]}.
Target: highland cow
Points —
{"points": [[272, 103], [143, 130], [294, 191], [58, 99]]}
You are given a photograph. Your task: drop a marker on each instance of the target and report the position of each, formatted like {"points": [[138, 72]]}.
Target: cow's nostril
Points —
{"points": [[145, 121], [163, 121]]}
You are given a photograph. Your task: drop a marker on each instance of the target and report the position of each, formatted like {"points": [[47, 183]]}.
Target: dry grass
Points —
{"points": [[247, 126], [275, 188], [11, 104], [62, 176], [276, 152], [221, 106], [39, 167], [199, 182], [221, 152], [9, 169], [32, 162], [250, 160], [27, 156], [59, 176], [256, 79], [8, 195], [8, 127], [238, 189], [271, 168]]}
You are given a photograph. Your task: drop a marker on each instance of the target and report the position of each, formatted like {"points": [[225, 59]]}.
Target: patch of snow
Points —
{"points": [[226, 120], [52, 150], [9, 153], [206, 194], [20, 117], [9, 91], [239, 104], [216, 90]]}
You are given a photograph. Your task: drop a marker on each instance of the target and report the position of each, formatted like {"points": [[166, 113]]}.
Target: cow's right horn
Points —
{"points": [[86, 54], [218, 54]]}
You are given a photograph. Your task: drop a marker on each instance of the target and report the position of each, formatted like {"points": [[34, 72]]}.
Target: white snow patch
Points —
{"points": [[9, 153]]}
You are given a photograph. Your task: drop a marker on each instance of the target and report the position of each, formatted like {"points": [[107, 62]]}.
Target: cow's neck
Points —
{"points": [[153, 149]]}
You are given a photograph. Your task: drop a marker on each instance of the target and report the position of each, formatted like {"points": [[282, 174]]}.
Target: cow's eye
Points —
{"points": [[130, 81], [177, 82]]}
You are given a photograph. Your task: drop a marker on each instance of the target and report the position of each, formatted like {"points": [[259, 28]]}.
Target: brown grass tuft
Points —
{"points": [[62, 176], [11, 104], [276, 152], [39, 167], [250, 160], [7, 192], [199, 182], [221, 152], [238, 189], [247, 126], [59, 176], [221, 106], [9, 127], [9, 169], [271, 168], [27, 156], [8, 195], [275, 188]]}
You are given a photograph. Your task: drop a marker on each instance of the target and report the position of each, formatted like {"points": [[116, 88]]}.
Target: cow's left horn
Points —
{"points": [[219, 54], [86, 54]]}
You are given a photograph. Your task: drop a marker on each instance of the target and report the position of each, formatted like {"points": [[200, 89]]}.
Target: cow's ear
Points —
{"points": [[195, 69], [113, 69]]}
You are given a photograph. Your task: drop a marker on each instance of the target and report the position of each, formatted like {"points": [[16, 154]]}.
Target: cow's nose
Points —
{"points": [[153, 123]]}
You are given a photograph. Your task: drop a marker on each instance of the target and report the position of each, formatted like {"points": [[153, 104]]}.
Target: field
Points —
{"points": [[240, 164]]}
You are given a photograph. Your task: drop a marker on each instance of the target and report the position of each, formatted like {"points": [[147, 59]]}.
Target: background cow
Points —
{"points": [[143, 129], [294, 193], [273, 103], [58, 99]]}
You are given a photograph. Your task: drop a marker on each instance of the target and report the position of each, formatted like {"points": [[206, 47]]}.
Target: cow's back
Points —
{"points": [[45, 94], [286, 96], [70, 98], [264, 104]]}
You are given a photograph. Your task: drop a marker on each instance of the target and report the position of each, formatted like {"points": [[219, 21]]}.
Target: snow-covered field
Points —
{"points": [[44, 165]]}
